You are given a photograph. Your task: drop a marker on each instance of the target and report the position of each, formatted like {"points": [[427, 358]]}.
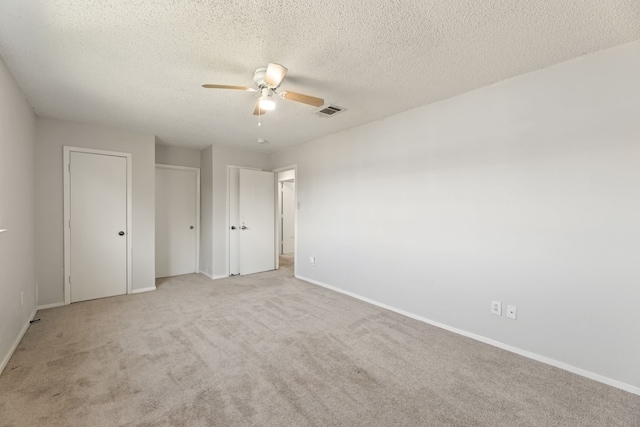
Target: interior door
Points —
{"points": [[234, 221], [257, 221], [176, 221], [288, 216], [98, 226]]}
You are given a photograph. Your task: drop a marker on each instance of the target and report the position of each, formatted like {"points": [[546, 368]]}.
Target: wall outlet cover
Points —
{"points": [[312, 259], [496, 308], [511, 312]]}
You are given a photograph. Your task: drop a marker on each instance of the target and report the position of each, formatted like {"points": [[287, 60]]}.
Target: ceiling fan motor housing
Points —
{"points": [[258, 77]]}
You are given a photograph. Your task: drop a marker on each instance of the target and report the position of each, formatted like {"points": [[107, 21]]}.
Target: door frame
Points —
{"points": [[278, 197], [281, 209], [197, 171], [66, 162]]}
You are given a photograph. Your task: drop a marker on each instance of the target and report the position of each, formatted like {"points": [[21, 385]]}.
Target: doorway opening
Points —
{"points": [[287, 212]]}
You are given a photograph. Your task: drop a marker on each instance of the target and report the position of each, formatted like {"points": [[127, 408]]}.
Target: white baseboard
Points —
{"points": [[141, 290], [55, 304], [6, 359], [584, 373], [213, 277]]}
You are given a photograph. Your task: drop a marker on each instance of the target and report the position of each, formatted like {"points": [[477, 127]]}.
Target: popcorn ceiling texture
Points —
{"points": [[140, 64]]}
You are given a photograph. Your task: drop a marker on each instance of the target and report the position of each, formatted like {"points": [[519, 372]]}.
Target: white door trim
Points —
{"points": [[197, 171], [278, 196], [67, 150]]}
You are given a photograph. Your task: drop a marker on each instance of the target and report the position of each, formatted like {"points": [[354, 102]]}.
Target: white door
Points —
{"points": [[98, 226], [176, 221], [257, 221], [288, 216], [234, 221]]}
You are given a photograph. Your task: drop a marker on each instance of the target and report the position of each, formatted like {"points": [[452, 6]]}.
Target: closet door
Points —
{"points": [[97, 226], [176, 220], [257, 221]]}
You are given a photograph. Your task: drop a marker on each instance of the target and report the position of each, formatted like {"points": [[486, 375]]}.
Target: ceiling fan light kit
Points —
{"points": [[268, 80], [266, 101]]}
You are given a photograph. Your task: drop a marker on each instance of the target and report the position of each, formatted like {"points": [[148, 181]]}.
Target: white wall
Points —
{"points": [[206, 211], [51, 136], [17, 207], [177, 156], [525, 192], [223, 156]]}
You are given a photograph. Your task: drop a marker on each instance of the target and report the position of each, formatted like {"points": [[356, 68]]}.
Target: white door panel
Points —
{"points": [[98, 214], [234, 221], [176, 221], [257, 221]]}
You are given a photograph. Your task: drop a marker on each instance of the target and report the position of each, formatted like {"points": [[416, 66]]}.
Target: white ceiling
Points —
{"points": [[140, 64]]}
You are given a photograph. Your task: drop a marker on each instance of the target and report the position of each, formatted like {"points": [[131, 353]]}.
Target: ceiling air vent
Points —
{"points": [[330, 110]]}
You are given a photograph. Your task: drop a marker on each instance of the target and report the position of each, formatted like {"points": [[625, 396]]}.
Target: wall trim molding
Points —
{"points": [[147, 289], [530, 355], [46, 306], [6, 359]]}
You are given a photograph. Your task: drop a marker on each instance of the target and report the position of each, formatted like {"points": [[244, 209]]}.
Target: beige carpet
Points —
{"points": [[271, 350]]}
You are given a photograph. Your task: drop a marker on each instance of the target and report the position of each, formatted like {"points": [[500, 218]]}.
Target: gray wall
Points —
{"points": [[17, 208], [222, 157], [176, 156], [525, 192], [51, 136]]}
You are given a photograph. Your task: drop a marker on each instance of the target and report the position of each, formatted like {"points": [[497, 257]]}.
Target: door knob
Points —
{"points": [[233, 227], [191, 227], [121, 233], [244, 228]]}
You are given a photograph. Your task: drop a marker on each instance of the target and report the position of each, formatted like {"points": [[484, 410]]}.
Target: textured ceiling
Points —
{"points": [[140, 64]]}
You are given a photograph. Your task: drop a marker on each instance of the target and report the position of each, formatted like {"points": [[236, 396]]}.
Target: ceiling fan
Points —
{"points": [[268, 80]]}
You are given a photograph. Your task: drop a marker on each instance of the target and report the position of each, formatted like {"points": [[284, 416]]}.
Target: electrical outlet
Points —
{"points": [[496, 308], [21, 299], [312, 260], [511, 312]]}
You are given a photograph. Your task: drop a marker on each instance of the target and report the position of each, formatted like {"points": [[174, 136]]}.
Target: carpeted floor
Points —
{"points": [[271, 350]]}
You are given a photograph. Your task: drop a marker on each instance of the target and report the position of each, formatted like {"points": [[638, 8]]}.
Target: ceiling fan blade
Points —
{"points": [[274, 75], [305, 99], [259, 111], [246, 88]]}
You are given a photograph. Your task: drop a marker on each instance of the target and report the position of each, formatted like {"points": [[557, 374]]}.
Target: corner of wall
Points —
{"points": [[17, 210]]}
